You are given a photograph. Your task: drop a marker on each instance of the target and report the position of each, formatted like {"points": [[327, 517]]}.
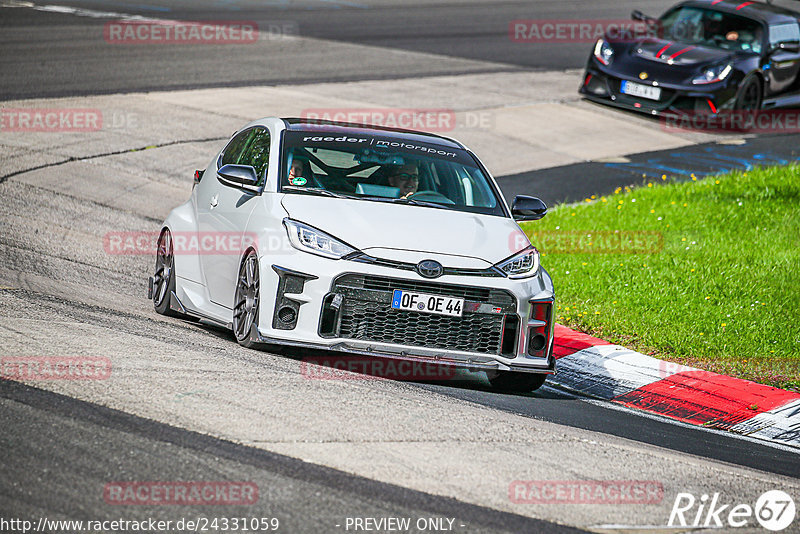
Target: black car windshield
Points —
{"points": [[706, 27], [385, 169]]}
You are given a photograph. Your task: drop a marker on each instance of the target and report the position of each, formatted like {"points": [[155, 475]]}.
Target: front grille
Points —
{"points": [[405, 266], [366, 314]]}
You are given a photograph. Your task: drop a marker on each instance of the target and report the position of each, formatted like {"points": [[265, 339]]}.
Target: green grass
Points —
{"points": [[717, 286]]}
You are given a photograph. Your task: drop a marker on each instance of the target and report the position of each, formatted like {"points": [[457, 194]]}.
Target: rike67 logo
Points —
{"points": [[774, 510]]}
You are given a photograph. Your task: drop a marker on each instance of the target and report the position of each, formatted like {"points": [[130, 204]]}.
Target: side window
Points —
{"points": [[784, 33], [233, 152], [257, 153]]}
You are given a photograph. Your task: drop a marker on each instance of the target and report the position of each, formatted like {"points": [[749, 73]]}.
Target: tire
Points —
{"points": [[750, 94], [164, 277], [246, 301], [514, 382]]}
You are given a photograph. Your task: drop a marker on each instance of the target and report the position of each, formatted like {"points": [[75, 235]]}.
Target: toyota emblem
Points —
{"points": [[430, 269]]}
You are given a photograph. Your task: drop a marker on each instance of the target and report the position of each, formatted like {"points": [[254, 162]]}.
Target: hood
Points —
{"points": [[379, 228], [649, 57], [681, 54]]}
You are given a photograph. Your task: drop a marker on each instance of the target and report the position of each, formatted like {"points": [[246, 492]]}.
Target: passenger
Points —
{"points": [[296, 172]]}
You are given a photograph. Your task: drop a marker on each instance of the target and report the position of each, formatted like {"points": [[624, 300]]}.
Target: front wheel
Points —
{"points": [[750, 95], [246, 300], [515, 382], [164, 276]]}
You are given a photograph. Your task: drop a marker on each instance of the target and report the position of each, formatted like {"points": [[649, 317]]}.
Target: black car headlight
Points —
{"points": [[603, 52], [713, 74], [521, 265]]}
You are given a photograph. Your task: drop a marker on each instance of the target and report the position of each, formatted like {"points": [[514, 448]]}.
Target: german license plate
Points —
{"points": [[420, 302], [644, 91]]}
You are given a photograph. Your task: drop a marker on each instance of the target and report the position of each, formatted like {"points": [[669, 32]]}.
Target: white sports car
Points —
{"points": [[366, 240]]}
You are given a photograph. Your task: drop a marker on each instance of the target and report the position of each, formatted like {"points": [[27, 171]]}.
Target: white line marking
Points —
{"points": [[77, 11]]}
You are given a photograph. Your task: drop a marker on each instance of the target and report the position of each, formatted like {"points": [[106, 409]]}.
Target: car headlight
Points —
{"points": [[309, 239], [603, 52], [522, 265], [713, 74]]}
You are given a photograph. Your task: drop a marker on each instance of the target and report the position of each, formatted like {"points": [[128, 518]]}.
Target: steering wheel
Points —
{"points": [[430, 196]]}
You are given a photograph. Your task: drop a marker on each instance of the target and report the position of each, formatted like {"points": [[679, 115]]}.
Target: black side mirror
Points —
{"points": [[527, 208], [243, 176], [641, 17]]}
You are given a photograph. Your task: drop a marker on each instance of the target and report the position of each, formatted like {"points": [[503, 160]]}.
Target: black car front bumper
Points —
{"points": [[605, 87]]}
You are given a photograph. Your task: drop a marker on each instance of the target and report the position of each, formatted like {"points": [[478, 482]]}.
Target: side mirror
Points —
{"points": [[527, 208], [650, 21], [243, 176], [198, 175]]}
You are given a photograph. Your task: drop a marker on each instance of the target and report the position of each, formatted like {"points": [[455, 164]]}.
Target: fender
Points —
{"points": [[181, 221]]}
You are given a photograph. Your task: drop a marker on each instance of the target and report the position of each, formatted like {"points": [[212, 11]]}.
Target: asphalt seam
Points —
{"points": [[107, 154]]}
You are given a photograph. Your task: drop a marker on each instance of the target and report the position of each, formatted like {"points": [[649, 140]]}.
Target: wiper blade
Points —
{"points": [[375, 198], [314, 191], [415, 202], [327, 193]]}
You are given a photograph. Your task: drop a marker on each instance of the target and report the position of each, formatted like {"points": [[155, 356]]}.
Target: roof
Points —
{"points": [[324, 126], [768, 13]]}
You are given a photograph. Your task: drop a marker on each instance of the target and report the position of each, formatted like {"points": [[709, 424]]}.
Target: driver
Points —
{"points": [[405, 178]]}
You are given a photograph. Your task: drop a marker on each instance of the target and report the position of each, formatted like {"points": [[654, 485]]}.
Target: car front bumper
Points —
{"points": [[605, 87], [341, 305]]}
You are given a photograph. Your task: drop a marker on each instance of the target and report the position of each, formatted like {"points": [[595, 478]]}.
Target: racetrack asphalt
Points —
{"points": [[58, 451], [65, 295]]}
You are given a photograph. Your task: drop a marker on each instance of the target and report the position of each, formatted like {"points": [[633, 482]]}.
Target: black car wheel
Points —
{"points": [[749, 96], [513, 382], [164, 277], [246, 299]]}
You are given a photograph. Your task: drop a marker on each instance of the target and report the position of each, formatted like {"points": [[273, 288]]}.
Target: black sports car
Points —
{"points": [[701, 56]]}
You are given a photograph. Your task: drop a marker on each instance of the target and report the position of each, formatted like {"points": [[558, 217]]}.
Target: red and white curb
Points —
{"points": [[596, 368]]}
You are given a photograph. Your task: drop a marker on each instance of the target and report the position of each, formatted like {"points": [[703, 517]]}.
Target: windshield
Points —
{"points": [[711, 28], [353, 165]]}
